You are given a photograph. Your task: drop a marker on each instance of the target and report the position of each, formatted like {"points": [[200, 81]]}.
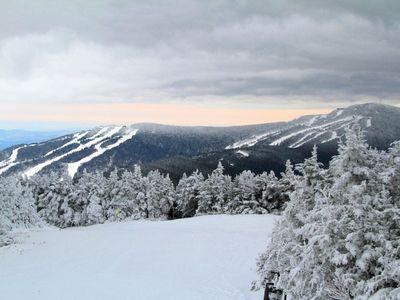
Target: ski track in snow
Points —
{"points": [[339, 112], [320, 127], [75, 140], [73, 167], [252, 140], [11, 161], [333, 137], [99, 133], [207, 257], [302, 139], [34, 170], [307, 134], [313, 120], [243, 153]]}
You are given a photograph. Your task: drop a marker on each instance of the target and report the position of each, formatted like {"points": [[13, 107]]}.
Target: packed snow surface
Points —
{"points": [[208, 257]]}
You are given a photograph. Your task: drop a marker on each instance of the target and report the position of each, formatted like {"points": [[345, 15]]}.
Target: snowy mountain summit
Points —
{"points": [[178, 149]]}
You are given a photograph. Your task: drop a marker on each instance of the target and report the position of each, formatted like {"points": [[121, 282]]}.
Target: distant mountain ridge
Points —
{"points": [[179, 149], [11, 137]]}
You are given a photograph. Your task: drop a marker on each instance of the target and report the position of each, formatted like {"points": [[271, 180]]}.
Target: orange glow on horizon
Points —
{"points": [[163, 113]]}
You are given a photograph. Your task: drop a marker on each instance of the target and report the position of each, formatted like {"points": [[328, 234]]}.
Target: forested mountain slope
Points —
{"points": [[178, 149]]}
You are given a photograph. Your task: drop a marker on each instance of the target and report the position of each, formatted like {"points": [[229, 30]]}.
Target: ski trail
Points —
{"points": [[11, 161], [73, 167], [34, 170], [75, 140], [314, 128]]}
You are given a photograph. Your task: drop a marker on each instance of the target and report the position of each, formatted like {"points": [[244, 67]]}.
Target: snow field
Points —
{"points": [[208, 257]]}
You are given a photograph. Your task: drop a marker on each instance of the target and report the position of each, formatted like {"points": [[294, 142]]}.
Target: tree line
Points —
{"points": [[95, 198]]}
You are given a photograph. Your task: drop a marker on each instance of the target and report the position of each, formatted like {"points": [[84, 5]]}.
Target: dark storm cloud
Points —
{"points": [[171, 50]]}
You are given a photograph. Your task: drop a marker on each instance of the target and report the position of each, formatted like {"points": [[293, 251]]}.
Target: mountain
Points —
{"points": [[8, 138], [178, 149]]}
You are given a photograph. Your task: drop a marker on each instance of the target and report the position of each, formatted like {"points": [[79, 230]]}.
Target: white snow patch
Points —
{"points": [[75, 140], [339, 111], [251, 141], [100, 132], [322, 127], [333, 137], [302, 139], [243, 153], [12, 160], [208, 257], [73, 167], [368, 123], [313, 120], [309, 139]]}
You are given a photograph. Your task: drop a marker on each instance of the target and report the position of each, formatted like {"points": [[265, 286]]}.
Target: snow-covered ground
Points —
{"points": [[208, 257]]}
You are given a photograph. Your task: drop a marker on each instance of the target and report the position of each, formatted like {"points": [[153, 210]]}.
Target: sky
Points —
{"points": [[70, 63]]}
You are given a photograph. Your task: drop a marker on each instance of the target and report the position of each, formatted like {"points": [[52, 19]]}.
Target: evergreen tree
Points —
{"points": [[159, 195], [17, 208], [188, 192], [269, 192], [215, 192], [244, 195], [339, 236]]}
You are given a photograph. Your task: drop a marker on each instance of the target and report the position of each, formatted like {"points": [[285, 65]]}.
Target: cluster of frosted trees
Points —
{"points": [[17, 209], [94, 198], [339, 236]]}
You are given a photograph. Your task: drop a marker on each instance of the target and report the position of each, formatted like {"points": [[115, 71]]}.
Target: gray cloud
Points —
{"points": [[63, 51]]}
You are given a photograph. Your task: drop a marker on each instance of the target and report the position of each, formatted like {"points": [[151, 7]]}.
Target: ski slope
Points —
{"points": [[11, 161], [317, 130], [208, 257], [96, 141]]}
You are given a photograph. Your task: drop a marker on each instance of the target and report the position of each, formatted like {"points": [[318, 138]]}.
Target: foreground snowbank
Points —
{"points": [[208, 257]]}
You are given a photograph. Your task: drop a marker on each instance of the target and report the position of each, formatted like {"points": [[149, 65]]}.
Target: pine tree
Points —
{"points": [[279, 263], [269, 192], [215, 192], [339, 237], [159, 195], [244, 195], [17, 208], [188, 192]]}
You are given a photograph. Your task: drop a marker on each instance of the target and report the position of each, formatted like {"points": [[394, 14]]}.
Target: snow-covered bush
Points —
{"points": [[17, 209]]}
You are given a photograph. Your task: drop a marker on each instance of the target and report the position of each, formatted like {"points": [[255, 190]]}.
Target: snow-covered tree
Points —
{"points": [[244, 199], [159, 195], [279, 262], [138, 185], [215, 192], [269, 192], [339, 237], [17, 208], [187, 193]]}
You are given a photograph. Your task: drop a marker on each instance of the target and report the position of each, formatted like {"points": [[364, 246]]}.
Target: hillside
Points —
{"points": [[178, 149]]}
